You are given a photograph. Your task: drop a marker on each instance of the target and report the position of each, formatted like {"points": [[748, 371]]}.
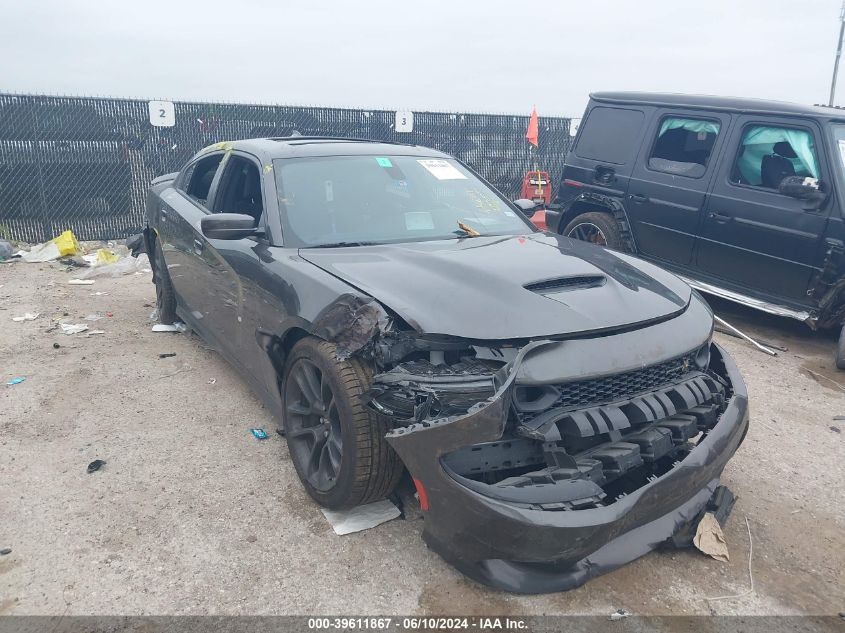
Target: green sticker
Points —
{"points": [[384, 162]]}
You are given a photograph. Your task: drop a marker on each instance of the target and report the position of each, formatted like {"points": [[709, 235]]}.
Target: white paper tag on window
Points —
{"points": [[329, 191], [574, 124], [419, 221], [162, 113], [842, 151], [404, 121], [441, 169]]}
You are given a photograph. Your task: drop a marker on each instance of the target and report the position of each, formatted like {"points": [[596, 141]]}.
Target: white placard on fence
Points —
{"points": [[404, 121], [162, 113]]}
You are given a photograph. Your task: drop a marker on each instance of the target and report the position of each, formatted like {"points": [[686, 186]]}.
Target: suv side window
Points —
{"points": [[609, 135], [196, 179], [240, 189], [683, 146], [768, 154]]}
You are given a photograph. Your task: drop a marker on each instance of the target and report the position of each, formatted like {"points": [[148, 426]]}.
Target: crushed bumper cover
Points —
{"points": [[526, 550]]}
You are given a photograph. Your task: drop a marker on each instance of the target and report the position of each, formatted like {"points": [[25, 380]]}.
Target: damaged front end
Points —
{"points": [[540, 466]]}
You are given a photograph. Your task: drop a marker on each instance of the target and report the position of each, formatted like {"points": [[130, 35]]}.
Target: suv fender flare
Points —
{"points": [[590, 201]]}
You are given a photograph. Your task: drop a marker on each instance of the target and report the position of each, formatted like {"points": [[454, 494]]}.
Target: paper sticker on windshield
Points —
{"points": [[842, 150], [384, 162], [418, 221], [441, 169], [329, 191]]}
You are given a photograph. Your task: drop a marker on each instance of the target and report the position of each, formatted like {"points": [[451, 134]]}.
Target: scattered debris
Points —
{"points": [[167, 327], [744, 336], [5, 250], [839, 417], [136, 244], [836, 429], [212, 381], [73, 328], [117, 267], [750, 590], [5, 551], [709, 538], [91, 332], [259, 434], [80, 282], [28, 316], [63, 245], [619, 614], [56, 346], [16, 381], [98, 294], [96, 465], [361, 517], [167, 355], [93, 317], [110, 314]]}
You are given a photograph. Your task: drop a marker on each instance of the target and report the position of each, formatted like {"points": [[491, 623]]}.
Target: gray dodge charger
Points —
{"points": [[560, 408]]}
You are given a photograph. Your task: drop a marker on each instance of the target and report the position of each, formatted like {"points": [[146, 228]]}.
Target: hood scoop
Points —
{"points": [[561, 284]]}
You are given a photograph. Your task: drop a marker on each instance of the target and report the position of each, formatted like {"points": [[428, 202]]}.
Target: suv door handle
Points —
{"points": [[198, 247], [638, 198], [718, 217]]}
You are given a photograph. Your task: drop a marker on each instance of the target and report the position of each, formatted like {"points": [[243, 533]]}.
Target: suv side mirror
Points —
{"points": [[528, 207], [228, 226], [801, 188]]}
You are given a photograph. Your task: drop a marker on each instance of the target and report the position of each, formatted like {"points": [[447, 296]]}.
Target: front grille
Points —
{"points": [[624, 386]]}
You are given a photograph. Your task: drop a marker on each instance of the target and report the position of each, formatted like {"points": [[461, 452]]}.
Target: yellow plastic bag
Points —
{"points": [[67, 244], [106, 257]]}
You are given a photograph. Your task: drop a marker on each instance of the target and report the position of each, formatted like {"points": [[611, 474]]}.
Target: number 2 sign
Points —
{"points": [[162, 113]]}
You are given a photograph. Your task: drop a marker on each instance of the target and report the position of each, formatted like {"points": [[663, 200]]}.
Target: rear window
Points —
{"points": [[609, 135]]}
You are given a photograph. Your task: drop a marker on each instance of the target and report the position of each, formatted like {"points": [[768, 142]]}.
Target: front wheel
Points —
{"points": [[336, 442], [840, 349], [595, 227], [165, 297]]}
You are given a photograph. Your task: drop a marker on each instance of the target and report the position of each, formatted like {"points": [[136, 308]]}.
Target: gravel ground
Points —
{"points": [[192, 515]]}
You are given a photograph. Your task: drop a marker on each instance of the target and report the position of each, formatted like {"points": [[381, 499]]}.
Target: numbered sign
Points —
{"points": [[404, 121], [162, 113], [574, 124]]}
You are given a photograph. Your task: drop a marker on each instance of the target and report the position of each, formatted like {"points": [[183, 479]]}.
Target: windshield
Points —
{"points": [[348, 200]]}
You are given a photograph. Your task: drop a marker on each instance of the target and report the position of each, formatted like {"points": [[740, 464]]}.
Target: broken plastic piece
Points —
{"points": [[80, 282], [5, 551], [619, 614], [28, 316], [167, 355], [16, 381], [361, 517], [96, 465], [259, 434], [73, 328]]}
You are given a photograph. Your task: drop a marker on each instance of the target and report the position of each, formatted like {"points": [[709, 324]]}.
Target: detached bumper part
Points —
{"points": [[553, 528]]}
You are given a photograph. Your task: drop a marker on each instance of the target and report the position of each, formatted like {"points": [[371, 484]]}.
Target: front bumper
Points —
{"points": [[528, 550]]}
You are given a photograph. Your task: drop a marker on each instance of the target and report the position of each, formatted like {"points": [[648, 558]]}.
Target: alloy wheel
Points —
{"points": [[588, 232]]}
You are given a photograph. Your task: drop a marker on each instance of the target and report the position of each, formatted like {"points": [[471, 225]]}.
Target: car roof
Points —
{"points": [[295, 146], [711, 102]]}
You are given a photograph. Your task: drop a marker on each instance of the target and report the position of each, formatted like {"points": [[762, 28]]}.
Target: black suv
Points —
{"points": [[743, 198]]}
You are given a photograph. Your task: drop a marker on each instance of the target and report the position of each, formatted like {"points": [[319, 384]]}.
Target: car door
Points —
{"points": [[754, 238], [668, 188], [178, 225], [227, 264]]}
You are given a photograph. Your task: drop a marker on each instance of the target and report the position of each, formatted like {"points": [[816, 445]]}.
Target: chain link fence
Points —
{"points": [[85, 163]]}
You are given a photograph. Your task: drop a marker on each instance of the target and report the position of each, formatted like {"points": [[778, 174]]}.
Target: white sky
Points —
{"points": [[480, 56]]}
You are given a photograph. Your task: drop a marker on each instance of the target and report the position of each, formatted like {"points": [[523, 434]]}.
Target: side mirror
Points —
{"points": [[228, 226], [528, 207], [801, 188]]}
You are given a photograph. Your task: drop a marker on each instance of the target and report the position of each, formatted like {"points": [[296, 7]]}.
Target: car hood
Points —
{"points": [[508, 287]]}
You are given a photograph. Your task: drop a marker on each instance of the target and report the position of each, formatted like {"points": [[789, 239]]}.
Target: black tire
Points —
{"points": [[165, 297], [840, 349], [367, 468], [597, 227]]}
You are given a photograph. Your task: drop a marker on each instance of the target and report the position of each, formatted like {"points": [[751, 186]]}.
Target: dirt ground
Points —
{"points": [[192, 515]]}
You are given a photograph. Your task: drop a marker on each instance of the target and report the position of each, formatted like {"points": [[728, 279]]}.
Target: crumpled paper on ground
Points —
{"points": [[709, 538], [361, 517]]}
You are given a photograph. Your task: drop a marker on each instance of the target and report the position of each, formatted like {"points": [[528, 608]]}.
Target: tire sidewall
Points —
{"points": [[605, 222], [342, 489]]}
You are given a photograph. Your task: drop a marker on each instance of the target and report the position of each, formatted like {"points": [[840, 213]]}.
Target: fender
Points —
{"points": [[591, 199]]}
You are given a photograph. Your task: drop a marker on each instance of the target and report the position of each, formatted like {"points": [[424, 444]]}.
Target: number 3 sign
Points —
{"points": [[162, 113], [404, 121]]}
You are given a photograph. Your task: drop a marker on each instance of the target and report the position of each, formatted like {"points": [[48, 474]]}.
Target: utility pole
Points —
{"points": [[838, 52]]}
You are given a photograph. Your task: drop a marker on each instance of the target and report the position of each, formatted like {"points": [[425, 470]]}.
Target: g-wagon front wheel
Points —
{"points": [[595, 227], [336, 442]]}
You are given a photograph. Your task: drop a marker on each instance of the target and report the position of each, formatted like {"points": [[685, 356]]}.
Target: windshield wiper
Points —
{"points": [[342, 244]]}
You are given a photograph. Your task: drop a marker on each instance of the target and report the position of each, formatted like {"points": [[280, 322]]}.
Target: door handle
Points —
{"points": [[638, 198], [198, 247], [718, 217]]}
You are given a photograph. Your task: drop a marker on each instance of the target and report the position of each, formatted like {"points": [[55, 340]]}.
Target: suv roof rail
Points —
{"points": [[825, 105]]}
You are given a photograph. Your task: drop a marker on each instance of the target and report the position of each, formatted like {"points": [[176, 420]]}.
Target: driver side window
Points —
{"points": [[240, 189], [197, 178]]}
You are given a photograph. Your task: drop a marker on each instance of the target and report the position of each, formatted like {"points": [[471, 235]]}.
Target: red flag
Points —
{"points": [[533, 133]]}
